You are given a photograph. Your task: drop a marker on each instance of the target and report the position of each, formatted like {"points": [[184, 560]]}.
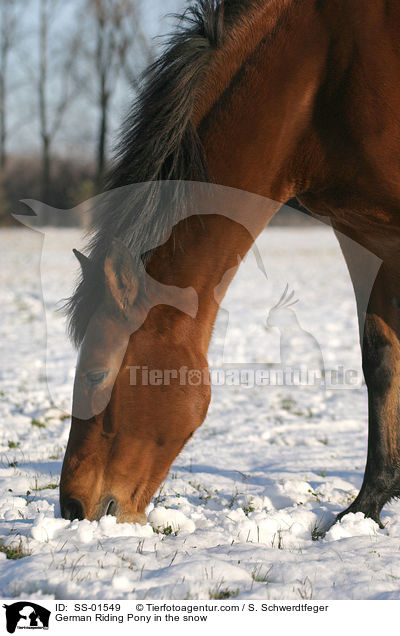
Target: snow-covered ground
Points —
{"points": [[241, 512]]}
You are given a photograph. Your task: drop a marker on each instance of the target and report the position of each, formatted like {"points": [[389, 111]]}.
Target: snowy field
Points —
{"points": [[243, 511]]}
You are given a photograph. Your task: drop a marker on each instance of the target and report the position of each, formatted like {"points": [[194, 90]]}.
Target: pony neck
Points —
{"points": [[252, 147], [204, 253]]}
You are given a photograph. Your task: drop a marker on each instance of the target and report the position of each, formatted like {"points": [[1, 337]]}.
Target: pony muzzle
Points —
{"points": [[72, 508]]}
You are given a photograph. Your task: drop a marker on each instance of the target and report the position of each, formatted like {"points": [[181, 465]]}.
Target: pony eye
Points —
{"points": [[94, 378]]}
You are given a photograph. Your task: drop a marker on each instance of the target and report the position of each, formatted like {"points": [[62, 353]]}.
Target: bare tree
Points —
{"points": [[118, 32], [143, 49], [9, 19], [52, 111]]}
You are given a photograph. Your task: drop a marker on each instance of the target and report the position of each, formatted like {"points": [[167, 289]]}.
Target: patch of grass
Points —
{"points": [[305, 591], [257, 575], [28, 497], [220, 593], [46, 487], [248, 508], [12, 444], [204, 493], [14, 552], [125, 559], [280, 540], [317, 533], [58, 452], [168, 531], [317, 495], [38, 424], [140, 546], [233, 499], [288, 403], [160, 497], [50, 485]]}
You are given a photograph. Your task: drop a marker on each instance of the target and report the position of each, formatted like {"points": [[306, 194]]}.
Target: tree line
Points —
{"points": [[67, 71]]}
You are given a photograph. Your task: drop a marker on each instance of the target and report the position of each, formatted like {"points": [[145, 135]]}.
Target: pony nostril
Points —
{"points": [[111, 508], [72, 509]]}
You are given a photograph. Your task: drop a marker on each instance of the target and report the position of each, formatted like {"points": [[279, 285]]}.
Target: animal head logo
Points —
{"points": [[26, 615], [121, 256]]}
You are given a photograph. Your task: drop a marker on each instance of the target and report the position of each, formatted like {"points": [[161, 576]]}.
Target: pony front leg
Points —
{"points": [[381, 366]]}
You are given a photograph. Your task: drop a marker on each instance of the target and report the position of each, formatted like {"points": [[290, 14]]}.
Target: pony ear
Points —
{"points": [[85, 263], [121, 281]]}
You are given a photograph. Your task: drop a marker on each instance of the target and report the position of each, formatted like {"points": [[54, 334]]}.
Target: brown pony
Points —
{"points": [[279, 98]]}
